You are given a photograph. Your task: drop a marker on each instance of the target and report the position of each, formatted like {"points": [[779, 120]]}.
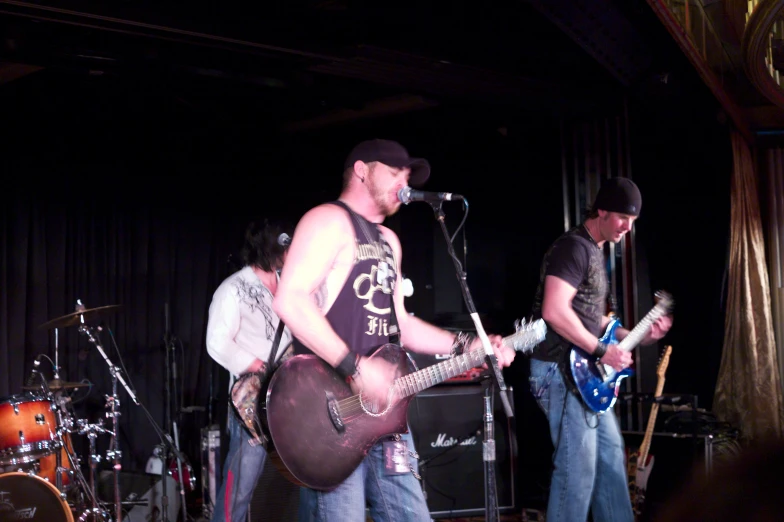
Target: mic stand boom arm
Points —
{"points": [[491, 498]]}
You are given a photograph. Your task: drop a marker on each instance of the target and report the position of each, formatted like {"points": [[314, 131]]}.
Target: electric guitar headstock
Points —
{"points": [[527, 335], [662, 368], [663, 362], [664, 301]]}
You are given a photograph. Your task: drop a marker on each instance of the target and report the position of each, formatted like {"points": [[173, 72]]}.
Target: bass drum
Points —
{"points": [[27, 497]]}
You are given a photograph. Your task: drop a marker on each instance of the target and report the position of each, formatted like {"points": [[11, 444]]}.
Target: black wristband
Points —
{"points": [[348, 366], [600, 350]]}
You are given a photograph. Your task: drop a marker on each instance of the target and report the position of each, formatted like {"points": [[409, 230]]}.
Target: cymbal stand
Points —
{"points": [[56, 369], [112, 402], [92, 431]]}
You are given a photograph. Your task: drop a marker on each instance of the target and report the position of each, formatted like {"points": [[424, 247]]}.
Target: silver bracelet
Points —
{"points": [[459, 344]]}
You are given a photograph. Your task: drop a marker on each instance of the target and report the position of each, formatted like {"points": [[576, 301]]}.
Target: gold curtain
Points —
{"points": [[748, 391], [774, 240]]}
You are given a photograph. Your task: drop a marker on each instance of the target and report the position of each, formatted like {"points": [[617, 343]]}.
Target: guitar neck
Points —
{"points": [[526, 337], [416, 382], [646, 441], [645, 446], [636, 335]]}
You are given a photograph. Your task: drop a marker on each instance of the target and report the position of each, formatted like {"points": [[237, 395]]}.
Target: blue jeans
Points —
{"points": [[394, 498], [589, 459], [242, 469]]}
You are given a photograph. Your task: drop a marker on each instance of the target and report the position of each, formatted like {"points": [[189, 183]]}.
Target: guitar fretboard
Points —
{"points": [[523, 340], [639, 331], [415, 382]]}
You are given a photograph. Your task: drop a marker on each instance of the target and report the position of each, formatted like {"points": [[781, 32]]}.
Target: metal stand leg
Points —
{"points": [[492, 512]]}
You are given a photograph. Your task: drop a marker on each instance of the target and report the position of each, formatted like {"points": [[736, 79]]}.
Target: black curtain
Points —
{"points": [[62, 245]]}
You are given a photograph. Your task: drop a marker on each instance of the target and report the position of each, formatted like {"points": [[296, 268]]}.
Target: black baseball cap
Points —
{"points": [[619, 195], [393, 154]]}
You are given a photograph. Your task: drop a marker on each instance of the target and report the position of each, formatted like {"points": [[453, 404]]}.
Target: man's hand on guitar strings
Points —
{"points": [[658, 329], [373, 379], [617, 358]]}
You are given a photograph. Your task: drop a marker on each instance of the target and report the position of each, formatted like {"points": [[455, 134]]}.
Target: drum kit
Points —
{"points": [[41, 477]]}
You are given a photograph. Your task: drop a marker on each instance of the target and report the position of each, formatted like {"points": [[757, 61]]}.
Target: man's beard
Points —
{"points": [[381, 199]]}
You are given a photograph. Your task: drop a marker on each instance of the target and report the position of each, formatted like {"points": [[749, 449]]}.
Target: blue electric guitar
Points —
{"points": [[597, 382]]}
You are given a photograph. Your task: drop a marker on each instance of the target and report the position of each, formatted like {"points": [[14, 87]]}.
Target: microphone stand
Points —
{"points": [[492, 513], [171, 383]]}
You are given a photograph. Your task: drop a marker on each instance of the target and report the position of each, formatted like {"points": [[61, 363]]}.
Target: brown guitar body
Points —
{"points": [[317, 452], [321, 430]]}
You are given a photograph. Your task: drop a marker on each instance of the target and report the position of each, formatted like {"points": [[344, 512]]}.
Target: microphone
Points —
{"points": [[284, 239], [406, 195], [34, 371]]}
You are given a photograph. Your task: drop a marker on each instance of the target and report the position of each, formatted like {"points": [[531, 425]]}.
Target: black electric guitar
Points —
{"points": [[640, 463], [321, 430]]}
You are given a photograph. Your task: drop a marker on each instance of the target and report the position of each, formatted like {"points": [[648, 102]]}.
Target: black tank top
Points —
{"points": [[363, 313]]}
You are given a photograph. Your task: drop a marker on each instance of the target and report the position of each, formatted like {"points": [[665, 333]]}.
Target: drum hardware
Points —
{"points": [[78, 317], [59, 385], [112, 404], [92, 431]]}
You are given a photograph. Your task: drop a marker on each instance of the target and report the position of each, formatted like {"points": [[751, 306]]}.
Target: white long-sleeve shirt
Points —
{"points": [[242, 324]]}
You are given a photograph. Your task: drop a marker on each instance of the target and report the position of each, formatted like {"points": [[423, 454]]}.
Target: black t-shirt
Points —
{"points": [[575, 258]]}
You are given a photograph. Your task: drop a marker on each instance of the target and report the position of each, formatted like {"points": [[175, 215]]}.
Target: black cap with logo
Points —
{"points": [[390, 153]]}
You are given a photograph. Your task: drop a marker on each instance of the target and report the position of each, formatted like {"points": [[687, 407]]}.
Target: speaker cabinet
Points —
{"points": [[447, 423], [677, 458]]}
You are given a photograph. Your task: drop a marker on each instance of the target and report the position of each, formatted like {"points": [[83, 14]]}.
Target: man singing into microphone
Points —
{"points": [[240, 333], [341, 294]]}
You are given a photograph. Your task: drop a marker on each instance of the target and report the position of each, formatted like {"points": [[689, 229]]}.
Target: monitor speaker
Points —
{"points": [[447, 424], [141, 495]]}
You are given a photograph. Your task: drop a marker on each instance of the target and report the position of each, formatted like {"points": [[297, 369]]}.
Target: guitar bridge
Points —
{"points": [[334, 413]]}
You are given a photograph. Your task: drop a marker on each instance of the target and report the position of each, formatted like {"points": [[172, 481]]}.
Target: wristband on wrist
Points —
{"points": [[600, 350], [348, 366]]}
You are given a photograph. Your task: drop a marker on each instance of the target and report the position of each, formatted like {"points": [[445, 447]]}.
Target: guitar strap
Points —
{"points": [[394, 330], [275, 344]]}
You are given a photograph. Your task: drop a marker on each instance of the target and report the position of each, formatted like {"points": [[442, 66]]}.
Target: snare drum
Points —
{"points": [[27, 497], [28, 428]]}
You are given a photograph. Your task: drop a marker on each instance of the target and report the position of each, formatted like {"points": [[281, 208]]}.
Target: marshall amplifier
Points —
{"points": [[447, 424]]}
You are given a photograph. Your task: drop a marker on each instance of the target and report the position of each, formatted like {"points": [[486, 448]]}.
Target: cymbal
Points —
{"points": [[59, 384], [74, 318]]}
